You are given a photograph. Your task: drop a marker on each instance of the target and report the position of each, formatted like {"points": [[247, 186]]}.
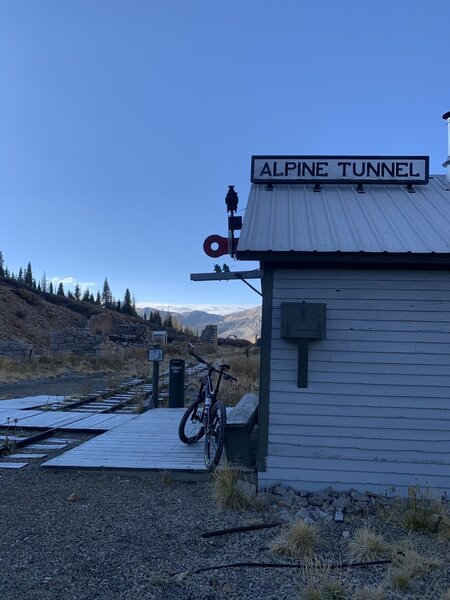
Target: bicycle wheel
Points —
{"points": [[191, 429], [215, 437]]}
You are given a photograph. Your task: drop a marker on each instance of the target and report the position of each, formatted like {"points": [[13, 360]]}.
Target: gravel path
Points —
{"points": [[123, 537]]}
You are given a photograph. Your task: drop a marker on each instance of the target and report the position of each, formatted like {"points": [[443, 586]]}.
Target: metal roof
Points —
{"points": [[385, 218]]}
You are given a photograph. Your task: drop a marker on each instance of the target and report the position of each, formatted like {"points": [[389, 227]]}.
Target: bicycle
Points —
{"points": [[207, 415]]}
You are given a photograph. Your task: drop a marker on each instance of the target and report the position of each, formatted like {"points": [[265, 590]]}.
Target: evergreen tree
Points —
{"points": [[107, 299], [77, 292], [28, 275], [20, 275], [92, 299], [7, 273], [98, 300], [168, 324], [2, 266], [60, 291], [127, 307], [70, 294], [39, 289], [86, 295], [50, 288]]}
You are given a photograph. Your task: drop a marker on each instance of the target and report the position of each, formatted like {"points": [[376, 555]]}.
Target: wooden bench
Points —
{"points": [[240, 422]]}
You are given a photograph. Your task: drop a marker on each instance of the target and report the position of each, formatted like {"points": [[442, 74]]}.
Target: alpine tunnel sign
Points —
{"points": [[405, 170]]}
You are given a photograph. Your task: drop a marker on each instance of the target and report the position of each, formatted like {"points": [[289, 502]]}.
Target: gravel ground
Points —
{"points": [[123, 537], [94, 535], [67, 385]]}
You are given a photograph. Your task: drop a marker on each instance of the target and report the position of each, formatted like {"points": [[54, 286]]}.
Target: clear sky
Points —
{"points": [[122, 122]]}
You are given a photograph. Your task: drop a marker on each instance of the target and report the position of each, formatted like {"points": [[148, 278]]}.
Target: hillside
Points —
{"points": [[30, 316]]}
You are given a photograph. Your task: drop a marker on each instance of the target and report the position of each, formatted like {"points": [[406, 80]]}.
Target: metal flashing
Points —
{"points": [[339, 220]]}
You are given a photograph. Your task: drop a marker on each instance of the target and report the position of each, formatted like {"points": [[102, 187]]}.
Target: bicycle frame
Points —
{"points": [[207, 415], [207, 387]]}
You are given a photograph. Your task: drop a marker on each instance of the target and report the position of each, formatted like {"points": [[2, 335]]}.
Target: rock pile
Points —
{"points": [[328, 504]]}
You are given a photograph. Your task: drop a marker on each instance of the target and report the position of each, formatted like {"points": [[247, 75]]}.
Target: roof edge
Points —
{"points": [[348, 260]]}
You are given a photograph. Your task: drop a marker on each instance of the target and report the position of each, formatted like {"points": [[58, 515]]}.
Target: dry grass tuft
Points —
{"points": [[423, 511], [370, 593], [245, 369], [326, 590], [321, 584], [367, 545], [445, 595], [408, 564], [298, 539], [224, 490]]}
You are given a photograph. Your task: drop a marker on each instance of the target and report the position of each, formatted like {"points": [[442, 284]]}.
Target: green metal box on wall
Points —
{"points": [[303, 320]]}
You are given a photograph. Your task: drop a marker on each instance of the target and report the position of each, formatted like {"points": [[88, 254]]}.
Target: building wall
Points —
{"points": [[376, 412]]}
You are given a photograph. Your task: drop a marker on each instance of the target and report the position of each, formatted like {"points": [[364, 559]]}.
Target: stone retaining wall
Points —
{"points": [[15, 349]]}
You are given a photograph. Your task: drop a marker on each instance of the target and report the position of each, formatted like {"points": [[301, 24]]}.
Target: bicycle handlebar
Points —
{"points": [[211, 366]]}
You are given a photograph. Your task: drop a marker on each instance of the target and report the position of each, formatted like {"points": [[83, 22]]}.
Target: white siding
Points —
{"points": [[376, 412]]}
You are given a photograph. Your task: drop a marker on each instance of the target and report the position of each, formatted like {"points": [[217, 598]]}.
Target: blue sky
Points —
{"points": [[123, 122]]}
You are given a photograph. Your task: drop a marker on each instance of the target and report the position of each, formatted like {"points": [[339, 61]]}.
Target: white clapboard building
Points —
{"points": [[355, 366]]}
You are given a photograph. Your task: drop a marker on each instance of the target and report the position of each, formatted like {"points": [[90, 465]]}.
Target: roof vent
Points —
{"points": [[446, 117]]}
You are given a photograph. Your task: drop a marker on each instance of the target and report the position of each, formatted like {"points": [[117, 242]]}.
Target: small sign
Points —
{"points": [[341, 169], [156, 354]]}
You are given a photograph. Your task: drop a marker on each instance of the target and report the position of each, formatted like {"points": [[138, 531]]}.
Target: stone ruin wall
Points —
{"points": [[209, 335], [81, 342]]}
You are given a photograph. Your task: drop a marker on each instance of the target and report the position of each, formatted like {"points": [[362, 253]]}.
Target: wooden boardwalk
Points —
{"points": [[148, 441], [21, 412]]}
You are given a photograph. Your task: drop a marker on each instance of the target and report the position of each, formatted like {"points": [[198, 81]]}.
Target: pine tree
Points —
{"points": [[77, 292], [86, 295], [92, 299], [168, 324], [60, 291], [107, 299], [28, 275], [70, 294], [98, 299], [127, 308], [50, 288], [20, 275], [2, 266]]}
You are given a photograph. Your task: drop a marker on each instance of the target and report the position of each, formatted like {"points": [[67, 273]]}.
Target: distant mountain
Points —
{"points": [[245, 324]]}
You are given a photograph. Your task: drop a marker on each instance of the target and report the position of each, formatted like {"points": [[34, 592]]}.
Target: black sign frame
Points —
{"points": [[323, 159]]}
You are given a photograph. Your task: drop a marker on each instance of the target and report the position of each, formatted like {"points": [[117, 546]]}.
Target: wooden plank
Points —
{"points": [[48, 447], [27, 456], [148, 441], [8, 465]]}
